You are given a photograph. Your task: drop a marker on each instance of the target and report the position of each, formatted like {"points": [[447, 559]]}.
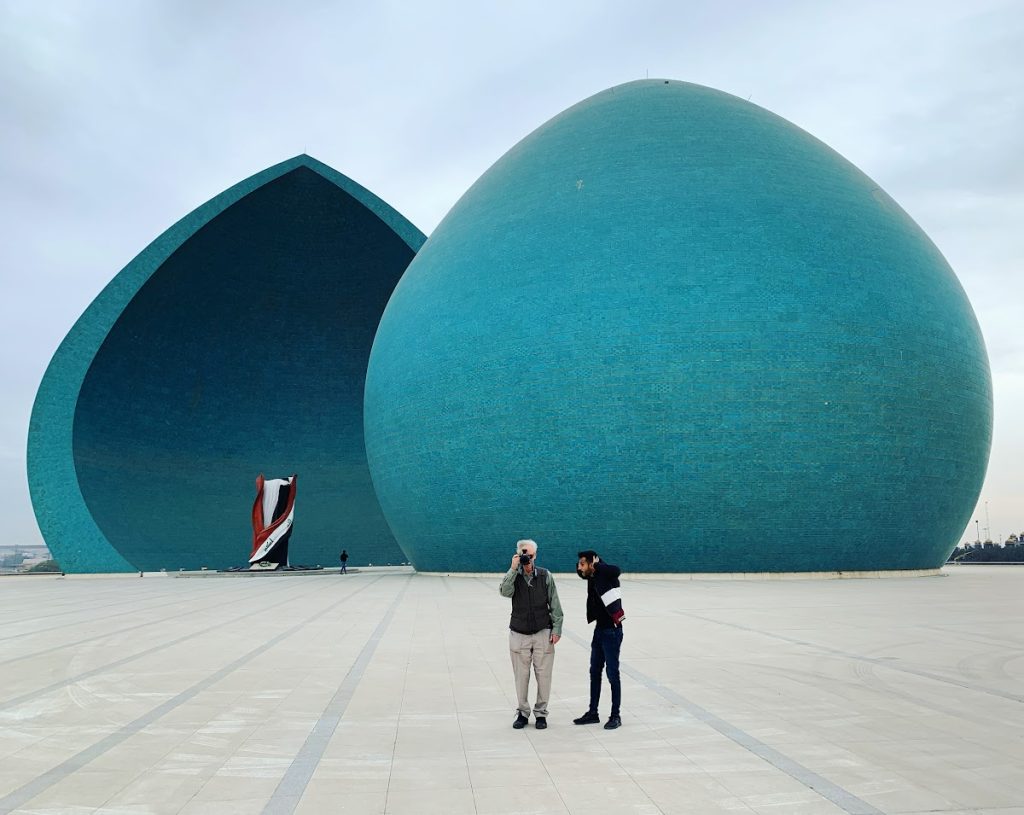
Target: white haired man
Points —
{"points": [[534, 628]]}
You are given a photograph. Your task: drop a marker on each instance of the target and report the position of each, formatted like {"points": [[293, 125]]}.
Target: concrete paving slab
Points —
{"points": [[386, 691]]}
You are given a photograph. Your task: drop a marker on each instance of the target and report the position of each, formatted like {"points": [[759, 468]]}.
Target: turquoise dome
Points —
{"points": [[671, 326], [235, 344]]}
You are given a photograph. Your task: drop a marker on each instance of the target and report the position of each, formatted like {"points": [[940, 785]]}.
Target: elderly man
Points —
{"points": [[535, 627]]}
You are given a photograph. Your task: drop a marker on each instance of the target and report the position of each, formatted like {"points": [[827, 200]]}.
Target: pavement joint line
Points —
{"points": [[1013, 697], [87, 622], [443, 629], [27, 697], [393, 738], [832, 792], [804, 775], [120, 631], [285, 797], [26, 792], [15, 609]]}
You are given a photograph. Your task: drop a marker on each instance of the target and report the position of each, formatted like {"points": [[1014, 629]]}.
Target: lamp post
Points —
{"points": [[977, 526]]}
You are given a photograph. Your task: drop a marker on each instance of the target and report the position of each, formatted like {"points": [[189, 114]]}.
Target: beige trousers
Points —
{"points": [[537, 650]]}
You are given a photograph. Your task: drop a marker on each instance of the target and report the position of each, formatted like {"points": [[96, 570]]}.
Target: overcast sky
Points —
{"points": [[118, 118]]}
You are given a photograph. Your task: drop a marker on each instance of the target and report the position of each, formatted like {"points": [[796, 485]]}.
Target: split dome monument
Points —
{"points": [[666, 322]]}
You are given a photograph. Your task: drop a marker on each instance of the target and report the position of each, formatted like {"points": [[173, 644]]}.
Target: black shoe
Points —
{"points": [[612, 723], [542, 723], [590, 717], [520, 722]]}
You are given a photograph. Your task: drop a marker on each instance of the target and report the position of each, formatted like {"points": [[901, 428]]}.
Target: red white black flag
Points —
{"points": [[273, 513]]}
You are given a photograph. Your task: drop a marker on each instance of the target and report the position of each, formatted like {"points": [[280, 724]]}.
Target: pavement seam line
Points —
{"points": [[133, 610], [1012, 697], [107, 634], [290, 789], [455, 702], [26, 792], [27, 697], [832, 792]]}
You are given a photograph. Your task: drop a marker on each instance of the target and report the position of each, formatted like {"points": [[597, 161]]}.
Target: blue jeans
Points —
{"points": [[604, 654]]}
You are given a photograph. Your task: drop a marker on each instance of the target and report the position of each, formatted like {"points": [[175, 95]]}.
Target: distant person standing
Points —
{"points": [[344, 561], [604, 609]]}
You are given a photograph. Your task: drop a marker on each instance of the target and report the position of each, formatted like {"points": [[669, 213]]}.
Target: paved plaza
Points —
{"points": [[388, 691]]}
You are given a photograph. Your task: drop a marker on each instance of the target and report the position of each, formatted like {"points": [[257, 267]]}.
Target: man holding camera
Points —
{"points": [[534, 628], [604, 609]]}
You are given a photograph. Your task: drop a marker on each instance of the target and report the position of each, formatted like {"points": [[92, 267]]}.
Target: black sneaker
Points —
{"points": [[542, 723], [590, 717], [612, 723], [520, 721]]}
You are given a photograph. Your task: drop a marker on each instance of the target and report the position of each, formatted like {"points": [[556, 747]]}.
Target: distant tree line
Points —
{"points": [[45, 566], [16, 563]]}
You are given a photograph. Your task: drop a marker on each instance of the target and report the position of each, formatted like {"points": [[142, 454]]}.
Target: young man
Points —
{"points": [[604, 609], [534, 628]]}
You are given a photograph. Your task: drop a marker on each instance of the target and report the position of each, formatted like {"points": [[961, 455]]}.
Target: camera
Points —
{"points": [[524, 558]]}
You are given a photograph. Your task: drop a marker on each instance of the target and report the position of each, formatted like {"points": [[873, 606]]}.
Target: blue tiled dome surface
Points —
{"points": [[674, 327]]}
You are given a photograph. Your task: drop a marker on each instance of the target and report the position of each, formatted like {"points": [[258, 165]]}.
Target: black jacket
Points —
{"points": [[604, 597]]}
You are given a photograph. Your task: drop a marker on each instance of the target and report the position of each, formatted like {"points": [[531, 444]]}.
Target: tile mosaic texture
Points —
{"points": [[671, 322], [236, 343]]}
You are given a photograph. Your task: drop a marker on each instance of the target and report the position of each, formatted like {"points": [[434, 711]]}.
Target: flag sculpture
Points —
{"points": [[273, 513]]}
